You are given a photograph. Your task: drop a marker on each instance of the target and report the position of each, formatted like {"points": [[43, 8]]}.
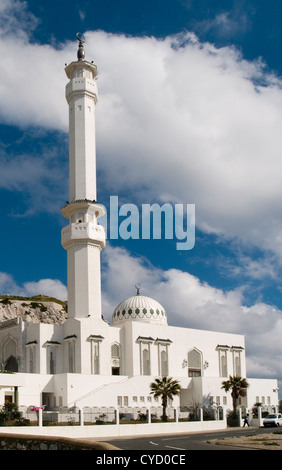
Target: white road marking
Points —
{"points": [[176, 448]]}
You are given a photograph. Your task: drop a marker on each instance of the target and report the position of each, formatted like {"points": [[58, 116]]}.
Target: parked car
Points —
{"points": [[274, 419]]}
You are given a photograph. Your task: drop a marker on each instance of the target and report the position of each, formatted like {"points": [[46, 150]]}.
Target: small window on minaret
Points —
{"points": [[80, 217], [79, 107]]}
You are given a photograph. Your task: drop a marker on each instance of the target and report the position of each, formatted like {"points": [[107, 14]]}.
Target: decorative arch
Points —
{"points": [[9, 354], [195, 363]]}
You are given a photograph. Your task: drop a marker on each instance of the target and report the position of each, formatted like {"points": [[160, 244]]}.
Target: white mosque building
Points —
{"points": [[87, 362]]}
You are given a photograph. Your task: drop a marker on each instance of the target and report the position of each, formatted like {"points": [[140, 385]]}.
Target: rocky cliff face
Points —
{"points": [[38, 309]]}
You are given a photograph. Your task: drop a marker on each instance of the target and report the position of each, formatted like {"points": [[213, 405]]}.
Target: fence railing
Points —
{"points": [[88, 416]]}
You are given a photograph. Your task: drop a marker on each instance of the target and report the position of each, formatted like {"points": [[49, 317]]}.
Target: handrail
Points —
{"points": [[97, 390]]}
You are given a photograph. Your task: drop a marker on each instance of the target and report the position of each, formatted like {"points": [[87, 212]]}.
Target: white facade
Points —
{"points": [[90, 363], [86, 361]]}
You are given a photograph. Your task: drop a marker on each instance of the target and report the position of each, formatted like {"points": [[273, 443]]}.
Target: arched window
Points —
{"points": [[115, 350], [52, 362], [237, 366], [223, 360], [163, 349], [194, 363], [96, 358], [71, 356], [31, 348], [164, 362], [51, 359], [116, 358], [70, 342], [146, 361], [31, 360], [96, 341]]}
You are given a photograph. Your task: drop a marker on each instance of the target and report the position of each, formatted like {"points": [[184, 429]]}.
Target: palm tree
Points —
{"points": [[238, 387], [165, 388]]}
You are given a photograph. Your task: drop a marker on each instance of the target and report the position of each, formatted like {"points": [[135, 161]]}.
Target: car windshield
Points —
{"points": [[271, 416]]}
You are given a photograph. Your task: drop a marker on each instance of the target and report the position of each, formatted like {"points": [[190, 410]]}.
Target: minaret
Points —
{"points": [[83, 238]]}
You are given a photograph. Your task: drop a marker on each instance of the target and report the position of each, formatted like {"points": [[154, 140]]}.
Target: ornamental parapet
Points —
{"points": [[87, 231], [82, 85]]}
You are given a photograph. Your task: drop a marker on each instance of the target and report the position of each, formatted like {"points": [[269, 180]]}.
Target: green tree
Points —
{"points": [[238, 387], [166, 388]]}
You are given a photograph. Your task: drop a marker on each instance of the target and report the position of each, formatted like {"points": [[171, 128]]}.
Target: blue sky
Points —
{"points": [[189, 112]]}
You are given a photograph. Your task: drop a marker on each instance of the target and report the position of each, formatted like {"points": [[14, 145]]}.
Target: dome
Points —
{"points": [[140, 308]]}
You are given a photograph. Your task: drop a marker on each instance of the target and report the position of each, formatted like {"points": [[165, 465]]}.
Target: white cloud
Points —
{"points": [[50, 287], [16, 19], [82, 14], [31, 91], [8, 286], [226, 24], [31, 74], [176, 118], [188, 301], [264, 268], [190, 122]]}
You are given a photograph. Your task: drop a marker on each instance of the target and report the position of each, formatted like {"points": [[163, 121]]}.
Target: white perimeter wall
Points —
{"points": [[114, 430]]}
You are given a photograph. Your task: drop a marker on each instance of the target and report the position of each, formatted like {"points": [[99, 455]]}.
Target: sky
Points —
{"points": [[189, 113]]}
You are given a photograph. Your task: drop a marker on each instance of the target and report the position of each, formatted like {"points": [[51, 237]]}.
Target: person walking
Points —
{"points": [[246, 420]]}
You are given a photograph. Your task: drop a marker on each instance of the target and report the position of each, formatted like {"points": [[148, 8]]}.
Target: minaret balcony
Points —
{"points": [[83, 231], [82, 85]]}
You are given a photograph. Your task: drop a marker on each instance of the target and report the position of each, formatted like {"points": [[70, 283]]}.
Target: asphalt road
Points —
{"points": [[184, 442]]}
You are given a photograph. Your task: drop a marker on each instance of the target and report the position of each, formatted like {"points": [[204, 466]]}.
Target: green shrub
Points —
{"points": [[10, 416], [233, 419]]}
